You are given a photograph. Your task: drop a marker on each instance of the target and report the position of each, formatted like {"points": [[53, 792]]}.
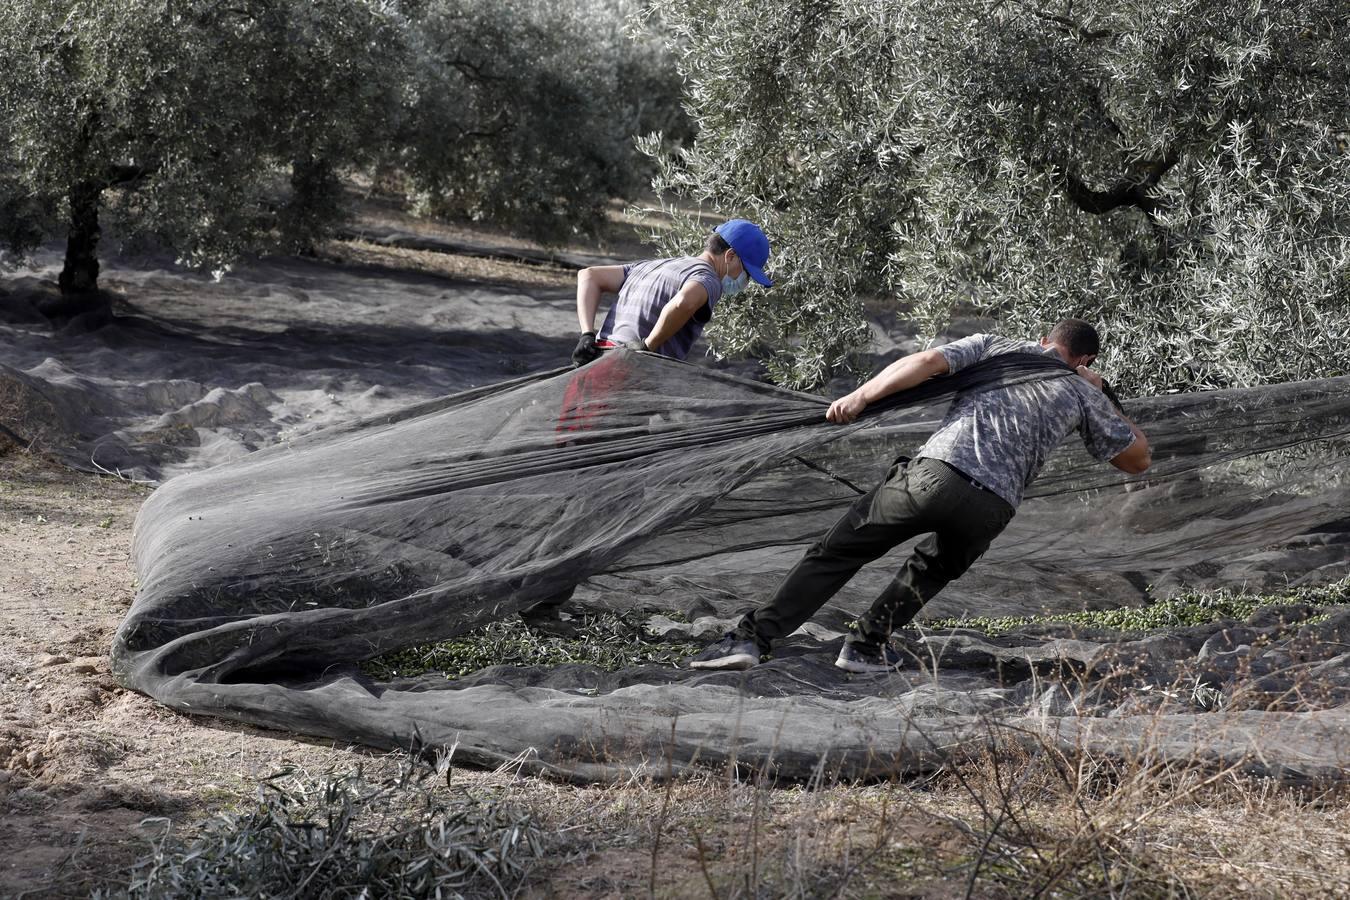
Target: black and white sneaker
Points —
{"points": [[730, 652], [863, 658]]}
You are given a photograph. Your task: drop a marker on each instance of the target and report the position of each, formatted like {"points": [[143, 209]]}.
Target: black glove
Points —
{"points": [[586, 350], [638, 345]]}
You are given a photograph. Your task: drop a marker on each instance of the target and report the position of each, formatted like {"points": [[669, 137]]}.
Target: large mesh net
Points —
{"points": [[659, 487]]}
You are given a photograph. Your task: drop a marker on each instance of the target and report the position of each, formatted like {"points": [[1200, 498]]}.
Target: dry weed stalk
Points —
{"points": [[1053, 821]]}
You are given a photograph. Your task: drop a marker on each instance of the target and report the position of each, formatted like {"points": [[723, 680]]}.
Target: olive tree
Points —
{"points": [[1176, 172], [223, 129], [175, 120]]}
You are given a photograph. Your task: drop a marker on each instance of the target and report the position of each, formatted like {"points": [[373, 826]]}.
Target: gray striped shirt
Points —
{"points": [[647, 287]]}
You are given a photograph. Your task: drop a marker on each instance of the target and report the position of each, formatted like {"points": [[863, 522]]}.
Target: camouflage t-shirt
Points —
{"points": [[1001, 437], [647, 288]]}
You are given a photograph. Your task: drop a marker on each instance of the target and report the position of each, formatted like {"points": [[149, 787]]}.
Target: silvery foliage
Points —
{"points": [[220, 129], [1176, 172]]}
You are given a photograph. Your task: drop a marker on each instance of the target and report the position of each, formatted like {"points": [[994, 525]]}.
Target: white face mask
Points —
{"points": [[733, 286]]}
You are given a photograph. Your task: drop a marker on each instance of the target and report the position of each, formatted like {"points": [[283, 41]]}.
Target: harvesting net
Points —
{"points": [[665, 488]]}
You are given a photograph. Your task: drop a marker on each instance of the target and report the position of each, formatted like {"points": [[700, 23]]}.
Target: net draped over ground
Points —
{"points": [[662, 487]]}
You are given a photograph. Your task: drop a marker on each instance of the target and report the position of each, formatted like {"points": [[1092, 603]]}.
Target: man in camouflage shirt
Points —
{"points": [[961, 488]]}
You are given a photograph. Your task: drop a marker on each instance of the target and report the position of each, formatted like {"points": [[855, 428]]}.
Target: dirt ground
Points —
{"points": [[88, 770]]}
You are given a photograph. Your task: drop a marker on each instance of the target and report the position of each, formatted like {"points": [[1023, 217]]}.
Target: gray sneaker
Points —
{"points": [[730, 652], [863, 658]]}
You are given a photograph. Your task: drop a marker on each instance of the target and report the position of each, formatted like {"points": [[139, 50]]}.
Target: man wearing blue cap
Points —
{"points": [[663, 304]]}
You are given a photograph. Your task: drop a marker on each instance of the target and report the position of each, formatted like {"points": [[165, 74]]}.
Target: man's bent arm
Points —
{"points": [[676, 313], [591, 283], [903, 374], [1136, 458]]}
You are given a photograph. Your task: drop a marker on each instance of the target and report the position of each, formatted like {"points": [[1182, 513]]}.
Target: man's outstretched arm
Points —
{"points": [[904, 373]]}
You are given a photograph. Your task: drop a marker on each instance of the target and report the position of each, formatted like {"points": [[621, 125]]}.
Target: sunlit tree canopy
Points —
{"points": [[1176, 172]]}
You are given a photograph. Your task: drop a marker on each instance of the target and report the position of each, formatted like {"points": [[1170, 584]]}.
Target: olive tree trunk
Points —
{"points": [[80, 274]]}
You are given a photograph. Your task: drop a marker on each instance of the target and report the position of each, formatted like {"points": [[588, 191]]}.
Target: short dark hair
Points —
{"points": [[715, 244], [1076, 336]]}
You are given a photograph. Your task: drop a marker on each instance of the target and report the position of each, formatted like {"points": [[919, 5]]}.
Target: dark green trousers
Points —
{"points": [[922, 496]]}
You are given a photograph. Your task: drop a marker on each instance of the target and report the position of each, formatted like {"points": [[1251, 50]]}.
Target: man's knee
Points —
{"points": [[836, 543], [945, 563], [857, 536]]}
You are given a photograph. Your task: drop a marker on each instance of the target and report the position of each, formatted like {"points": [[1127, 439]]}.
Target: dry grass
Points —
{"points": [[448, 265], [1015, 819], [1043, 823], [622, 238], [621, 235], [1007, 822]]}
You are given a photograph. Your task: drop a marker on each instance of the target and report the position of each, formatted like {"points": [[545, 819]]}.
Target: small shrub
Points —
{"points": [[340, 835]]}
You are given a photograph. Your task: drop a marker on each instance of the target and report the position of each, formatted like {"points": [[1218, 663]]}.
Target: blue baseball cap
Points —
{"points": [[750, 244]]}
